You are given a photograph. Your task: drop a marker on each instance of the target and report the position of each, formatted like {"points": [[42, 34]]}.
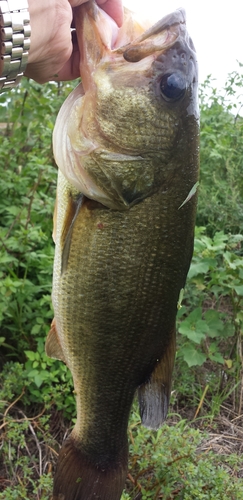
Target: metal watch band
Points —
{"points": [[15, 41]]}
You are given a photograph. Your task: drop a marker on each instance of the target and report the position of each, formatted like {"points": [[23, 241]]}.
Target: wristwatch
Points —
{"points": [[15, 41]]}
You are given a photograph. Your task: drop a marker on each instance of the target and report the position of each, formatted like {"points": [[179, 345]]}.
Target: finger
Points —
{"points": [[75, 3], [70, 70], [113, 8]]}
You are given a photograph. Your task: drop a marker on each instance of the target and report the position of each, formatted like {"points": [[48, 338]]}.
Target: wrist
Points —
{"points": [[51, 44], [42, 16], [15, 41]]}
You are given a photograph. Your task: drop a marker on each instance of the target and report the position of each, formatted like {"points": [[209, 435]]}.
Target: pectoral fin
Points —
{"points": [[154, 395], [53, 345], [73, 208], [54, 232]]}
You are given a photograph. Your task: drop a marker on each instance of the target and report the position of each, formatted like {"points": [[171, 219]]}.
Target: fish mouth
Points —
{"points": [[99, 36], [157, 38]]}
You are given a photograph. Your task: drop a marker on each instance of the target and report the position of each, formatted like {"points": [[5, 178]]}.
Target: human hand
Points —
{"points": [[54, 53]]}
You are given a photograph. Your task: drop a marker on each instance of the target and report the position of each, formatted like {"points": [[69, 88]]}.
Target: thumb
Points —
{"points": [[75, 3]]}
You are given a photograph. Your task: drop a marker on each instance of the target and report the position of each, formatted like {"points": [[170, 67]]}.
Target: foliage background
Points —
{"points": [[36, 400]]}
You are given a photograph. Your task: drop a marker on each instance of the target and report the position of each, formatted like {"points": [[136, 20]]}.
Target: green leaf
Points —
{"points": [[193, 335], [195, 315], [38, 380], [31, 355], [217, 357], [228, 330], [192, 356], [219, 240], [35, 329], [198, 268], [202, 327], [32, 373], [215, 324], [238, 289], [194, 327]]}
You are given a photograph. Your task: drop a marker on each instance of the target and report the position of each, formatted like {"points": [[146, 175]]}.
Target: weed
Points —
{"points": [[171, 463]]}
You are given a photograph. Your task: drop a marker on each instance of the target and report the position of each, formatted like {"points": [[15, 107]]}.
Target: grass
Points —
{"points": [[190, 460], [197, 454]]}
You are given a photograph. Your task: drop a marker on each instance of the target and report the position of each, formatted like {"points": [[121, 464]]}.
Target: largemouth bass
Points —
{"points": [[126, 144]]}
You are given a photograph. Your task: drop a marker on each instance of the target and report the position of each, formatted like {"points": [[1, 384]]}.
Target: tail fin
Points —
{"points": [[77, 478], [154, 395]]}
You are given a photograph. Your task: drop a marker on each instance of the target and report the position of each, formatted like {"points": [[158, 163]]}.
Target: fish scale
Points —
{"points": [[126, 144], [124, 263]]}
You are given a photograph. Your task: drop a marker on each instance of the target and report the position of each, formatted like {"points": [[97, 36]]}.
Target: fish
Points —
{"points": [[126, 142]]}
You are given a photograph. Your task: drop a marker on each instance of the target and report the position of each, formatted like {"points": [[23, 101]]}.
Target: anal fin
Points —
{"points": [[53, 346], [154, 395]]}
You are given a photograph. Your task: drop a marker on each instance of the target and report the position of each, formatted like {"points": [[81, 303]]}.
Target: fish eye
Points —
{"points": [[172, 86]]}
